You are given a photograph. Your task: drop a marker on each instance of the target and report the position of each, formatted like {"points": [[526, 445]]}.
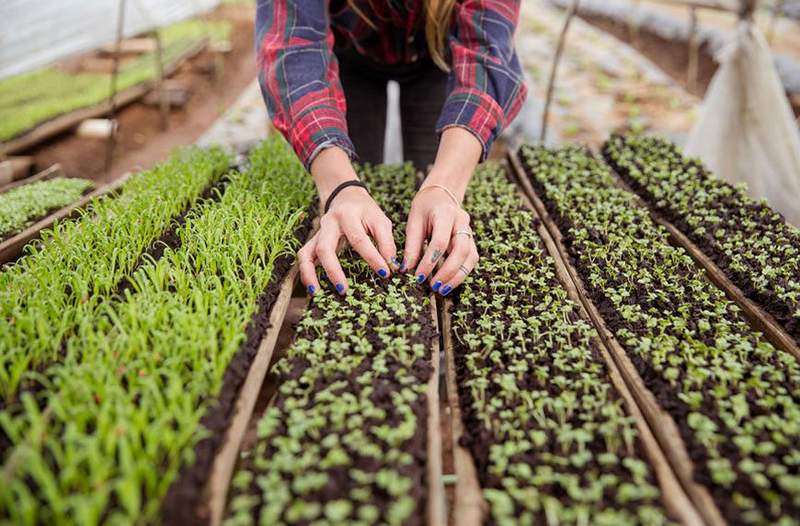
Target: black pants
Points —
{"points": [[423, 89]]}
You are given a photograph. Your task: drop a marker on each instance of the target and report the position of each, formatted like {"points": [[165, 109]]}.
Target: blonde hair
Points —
{"points": [[438, 16]]}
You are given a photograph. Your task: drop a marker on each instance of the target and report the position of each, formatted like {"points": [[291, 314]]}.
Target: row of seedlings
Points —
{"points": [[82, 262], [24, 205], [734, 398], [124, 425], [547, 429], [344, 441], [33, 98], [755, 247]]}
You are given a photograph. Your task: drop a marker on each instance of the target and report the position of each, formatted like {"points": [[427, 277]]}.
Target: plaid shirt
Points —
{"points": [[299, 74]]}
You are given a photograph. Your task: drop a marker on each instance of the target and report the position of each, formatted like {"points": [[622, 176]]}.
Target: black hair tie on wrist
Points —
{"points": [[341, 187]]}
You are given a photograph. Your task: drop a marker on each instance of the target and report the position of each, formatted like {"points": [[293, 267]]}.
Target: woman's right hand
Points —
{"points": [[353, 216]]}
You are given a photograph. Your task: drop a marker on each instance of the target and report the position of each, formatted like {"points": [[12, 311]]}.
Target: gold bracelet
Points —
{"points": [[441, 187]]}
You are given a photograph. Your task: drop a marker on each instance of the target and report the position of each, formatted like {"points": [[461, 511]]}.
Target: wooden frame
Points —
{"points": [[436, 512], [11, 248], [216, 489], [760, 320], [67, 121], [663, 427], [44, 175]]}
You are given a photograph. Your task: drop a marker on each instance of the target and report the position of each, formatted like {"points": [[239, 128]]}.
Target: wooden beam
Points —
{"points": [[216, 489], [661, 424], [759, 319], [11, 248], [470, 508], [437, 514], [44, 175], [70, 120]]}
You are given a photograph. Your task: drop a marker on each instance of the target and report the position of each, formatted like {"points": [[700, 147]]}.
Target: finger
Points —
{"points": [[381, 230], [359, 239], [440, 239], [460, 249], [326, 254], [468, 267], [415, 236], [306, 259]]}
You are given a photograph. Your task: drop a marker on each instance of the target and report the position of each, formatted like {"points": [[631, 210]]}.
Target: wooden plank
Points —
{"points": [[225, 461], [760, 320], [437, 515], [11, 248], [470, 508], [661, 423], [67, 121], [44, 175]]}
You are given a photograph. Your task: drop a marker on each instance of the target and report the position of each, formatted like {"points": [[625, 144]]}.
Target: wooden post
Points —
{"points": [[694, 51], [747, 8], [112, 100], [573, 10], [162, 92]]}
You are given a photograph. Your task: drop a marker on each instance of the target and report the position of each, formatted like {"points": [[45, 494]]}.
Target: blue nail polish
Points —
{"points": [[382, 272], [446, 290], [311, 290], [436, 286], [421, 278], [394, 261], [403, 266], [340, 288]]}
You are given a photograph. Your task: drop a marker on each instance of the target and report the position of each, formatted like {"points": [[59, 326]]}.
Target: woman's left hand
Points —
{"points": [[435, 217]]}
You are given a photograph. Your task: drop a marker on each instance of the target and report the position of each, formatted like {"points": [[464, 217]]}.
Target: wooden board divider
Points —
{"points": [[45, 175], [216, 490], [469, 507], [67, 121], [437, 513], [760, 320], [661, 424], [11, 248]]}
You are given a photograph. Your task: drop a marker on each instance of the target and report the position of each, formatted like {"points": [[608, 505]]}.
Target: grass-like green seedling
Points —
{"points": [[21, 206], [119, 413], [735, 397], [30, 99], [549, 432], [344, 440], [752, 243]]}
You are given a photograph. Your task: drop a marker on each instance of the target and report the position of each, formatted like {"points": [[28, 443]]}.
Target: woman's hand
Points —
{"points": [[436, 217], [353, 216]]}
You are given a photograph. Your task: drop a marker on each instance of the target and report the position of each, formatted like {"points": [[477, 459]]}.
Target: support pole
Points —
{"points": [[112, 99], [573, 10], [694, 51], [162, 92]]}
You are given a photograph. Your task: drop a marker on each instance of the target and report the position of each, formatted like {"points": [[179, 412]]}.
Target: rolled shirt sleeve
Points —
{"points": [[486, 87], [299, 76]]}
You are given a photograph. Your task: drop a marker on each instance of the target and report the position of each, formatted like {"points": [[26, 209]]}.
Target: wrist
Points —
{"points": [[331, 168], [455, 182]]}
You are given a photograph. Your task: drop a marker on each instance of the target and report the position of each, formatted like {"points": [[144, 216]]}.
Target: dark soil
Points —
{"points": [[184, 503], [768, 299], [667, 395]]}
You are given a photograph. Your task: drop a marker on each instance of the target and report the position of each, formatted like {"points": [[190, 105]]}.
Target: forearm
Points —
{"points": [[330, 168], [458, 155]]}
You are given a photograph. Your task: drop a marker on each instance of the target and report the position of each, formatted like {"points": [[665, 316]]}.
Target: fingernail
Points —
{"points": [[421, 278], [382, 272], [446, 290], [340, 288], [403, 266], [436, 286], [311, 290], [395, 263]]}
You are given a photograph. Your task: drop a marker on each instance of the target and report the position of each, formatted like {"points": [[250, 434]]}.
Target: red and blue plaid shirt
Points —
{"points": [[299, 74]]}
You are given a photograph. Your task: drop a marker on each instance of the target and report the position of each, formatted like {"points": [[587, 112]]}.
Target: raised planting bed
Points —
{"points": [[80, 263], [734, 398], [553, 438], [24, 205], [748, 241], [352, 434], [138, 402], [42, 104]]}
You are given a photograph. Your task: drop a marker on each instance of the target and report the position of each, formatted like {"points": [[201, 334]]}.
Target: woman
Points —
{"points": [[323, 69]]}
